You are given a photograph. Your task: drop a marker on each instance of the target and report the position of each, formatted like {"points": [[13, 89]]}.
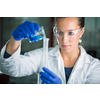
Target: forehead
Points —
{"points": [[67, 23]]}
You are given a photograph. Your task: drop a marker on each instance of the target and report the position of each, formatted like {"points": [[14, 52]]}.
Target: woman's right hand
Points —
{"points": [[26, 30]]}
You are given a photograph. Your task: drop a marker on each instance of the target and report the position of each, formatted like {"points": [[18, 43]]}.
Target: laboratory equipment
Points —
{"points": [[38, 36], [45, 50]]}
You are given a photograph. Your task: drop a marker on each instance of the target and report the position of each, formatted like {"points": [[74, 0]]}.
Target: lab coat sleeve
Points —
{"points": [[20, 65], [94, 73]]}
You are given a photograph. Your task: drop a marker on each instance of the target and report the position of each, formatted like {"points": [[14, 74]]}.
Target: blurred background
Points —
{"points": [[91, 40]]}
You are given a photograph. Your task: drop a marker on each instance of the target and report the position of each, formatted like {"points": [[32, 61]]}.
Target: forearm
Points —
{"points": [[21, 65], [12, 46]]}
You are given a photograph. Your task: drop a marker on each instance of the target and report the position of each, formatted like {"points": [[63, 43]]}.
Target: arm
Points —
{"points": [[22, 65], [25, 30], [18, 65], [12, 46]]}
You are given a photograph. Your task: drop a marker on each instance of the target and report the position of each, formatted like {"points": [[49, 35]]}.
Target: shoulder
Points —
{"points": [[94, 61], [93, 70], [88, 59]]}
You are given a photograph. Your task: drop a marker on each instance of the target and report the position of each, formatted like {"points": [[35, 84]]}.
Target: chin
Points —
{"points": [[66, 50]]}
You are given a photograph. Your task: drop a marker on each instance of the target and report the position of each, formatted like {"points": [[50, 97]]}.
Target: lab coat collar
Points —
{"points": [[55, 52], [84, 55], [83, 59]]}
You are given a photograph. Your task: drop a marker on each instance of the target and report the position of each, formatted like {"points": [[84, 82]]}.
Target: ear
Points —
{"points": [[82, 32]]}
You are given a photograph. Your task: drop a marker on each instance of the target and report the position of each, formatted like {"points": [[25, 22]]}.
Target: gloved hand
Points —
{"points": [[26, 30], [49, 77]]}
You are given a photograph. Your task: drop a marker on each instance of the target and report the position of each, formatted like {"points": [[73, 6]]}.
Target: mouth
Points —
{"points": [[65, 46]]}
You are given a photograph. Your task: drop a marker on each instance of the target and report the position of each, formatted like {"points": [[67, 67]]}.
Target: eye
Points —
{"points": [[71, 33], [59, 32]]}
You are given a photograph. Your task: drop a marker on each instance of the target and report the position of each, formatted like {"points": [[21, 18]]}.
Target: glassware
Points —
{"points": [[39, 35]]}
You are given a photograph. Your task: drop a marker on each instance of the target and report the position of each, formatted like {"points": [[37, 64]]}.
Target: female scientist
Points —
{"points": [[67, 62]]}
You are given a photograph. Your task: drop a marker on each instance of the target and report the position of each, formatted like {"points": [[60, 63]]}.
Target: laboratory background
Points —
{"points": [[90, 40]]}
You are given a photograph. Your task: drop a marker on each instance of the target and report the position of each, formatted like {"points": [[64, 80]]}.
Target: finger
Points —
{"points": [[25, 34], [32, 28], [34, 39], [23, 30], [37, 27], [45, 80], [49, 72], [28, 32], [47, 76]]}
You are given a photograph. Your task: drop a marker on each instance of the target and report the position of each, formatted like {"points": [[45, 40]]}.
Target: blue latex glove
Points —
{"points": [[49, 77], [27, 30]]}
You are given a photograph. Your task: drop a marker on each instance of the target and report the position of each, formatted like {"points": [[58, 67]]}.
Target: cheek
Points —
{"points": [[74, 41], [60, 40]]}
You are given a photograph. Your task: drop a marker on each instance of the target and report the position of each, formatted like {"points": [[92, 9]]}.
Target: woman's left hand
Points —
{"points": [[48, 77]]}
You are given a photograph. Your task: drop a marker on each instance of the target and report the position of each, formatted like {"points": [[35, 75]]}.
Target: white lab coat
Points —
{"points": [[85, 71]]}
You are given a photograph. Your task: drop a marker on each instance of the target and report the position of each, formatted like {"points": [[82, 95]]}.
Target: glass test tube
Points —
{"points": [[45, 52], [45, 56]]}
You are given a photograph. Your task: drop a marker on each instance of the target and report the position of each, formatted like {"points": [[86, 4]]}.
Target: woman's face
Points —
{"points": [[67, 44]]}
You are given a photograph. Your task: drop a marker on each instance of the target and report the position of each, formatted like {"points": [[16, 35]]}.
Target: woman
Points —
{"points": [[67, 62]]}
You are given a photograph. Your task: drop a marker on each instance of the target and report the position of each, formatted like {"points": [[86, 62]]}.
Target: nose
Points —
{"points": [[65, 38]]}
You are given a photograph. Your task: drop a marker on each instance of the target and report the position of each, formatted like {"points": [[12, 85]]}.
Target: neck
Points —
{"points": [[74, 55]]}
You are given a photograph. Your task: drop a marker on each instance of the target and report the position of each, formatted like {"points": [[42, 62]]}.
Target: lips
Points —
{"points": [[65, 46]]}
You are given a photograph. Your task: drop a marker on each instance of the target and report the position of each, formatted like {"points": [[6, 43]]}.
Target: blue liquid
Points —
{"points": [[35, 38]]}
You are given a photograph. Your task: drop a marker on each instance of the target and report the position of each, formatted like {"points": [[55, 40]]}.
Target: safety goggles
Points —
{"points": [[70, 34]]}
